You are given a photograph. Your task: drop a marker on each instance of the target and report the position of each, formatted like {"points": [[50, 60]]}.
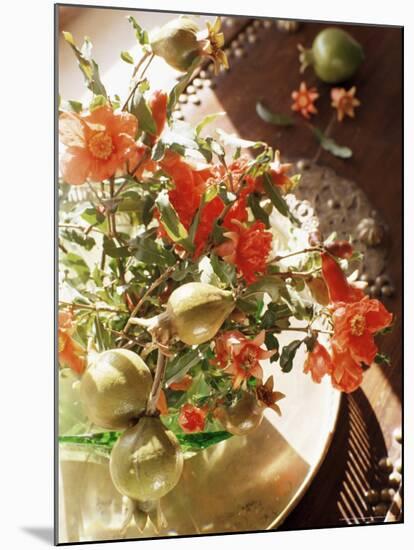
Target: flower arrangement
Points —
{"points": [[180, 270]]}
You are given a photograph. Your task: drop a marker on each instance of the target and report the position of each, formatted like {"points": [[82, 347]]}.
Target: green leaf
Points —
{"points": [[87, 65], [79, 238], [288, 354], [78, 264], [181, 364], [97, 101], [330, 144], [127, 57], [208, 119], [272, 191], [382, 359], [272, 343], [147, 209], [158, 151], [199, 441], [273, 118], [139, 108], [171, 223], [114, 251], [234, 141], [224, 271], [148, 251], [140, 33], [103, 442], [181, 85], [258, 212], [75, 106]]}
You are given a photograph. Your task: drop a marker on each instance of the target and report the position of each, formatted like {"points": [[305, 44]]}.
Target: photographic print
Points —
{"points": [[229, 274]]}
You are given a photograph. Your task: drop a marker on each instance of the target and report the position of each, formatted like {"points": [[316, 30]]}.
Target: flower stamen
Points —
{"points": [[358, 325], [100, 145]]}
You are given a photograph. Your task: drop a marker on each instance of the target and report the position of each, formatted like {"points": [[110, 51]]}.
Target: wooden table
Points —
{"points": [[264, 64]]}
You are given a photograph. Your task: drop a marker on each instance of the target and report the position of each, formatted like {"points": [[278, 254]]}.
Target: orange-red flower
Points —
{"points": [[209, 213], [344, 102], [162, 404], [183, 384], [191, 418], [318, 363], [340, 249], [97, 145], [223, 347], [346, 374], [158, 106], [338, 287], [304, 100], [278, 175], [247, 248], [71, 354], [268, 397], [140, 161], [355, 325], [245, 356]]}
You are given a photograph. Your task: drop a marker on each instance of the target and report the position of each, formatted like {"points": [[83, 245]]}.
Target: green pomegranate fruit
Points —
{"points": [[115, 388], [335, 55], [176, 42], [146, 463], [194, 314], [241, 417]]}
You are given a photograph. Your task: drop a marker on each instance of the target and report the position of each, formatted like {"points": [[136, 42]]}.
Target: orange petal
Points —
{"points": [[74, 165], [71, 130]]}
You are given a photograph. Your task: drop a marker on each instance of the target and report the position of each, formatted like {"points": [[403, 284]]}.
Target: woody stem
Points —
{"points": [[304, 251], [156, 386]]}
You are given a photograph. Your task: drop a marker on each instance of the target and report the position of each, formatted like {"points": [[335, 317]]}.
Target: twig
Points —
{"points": [[91, 308], [85, 230], [304, 251], [150, 289], [125, 105], [299, 329], [295, 274], [156, 385]]}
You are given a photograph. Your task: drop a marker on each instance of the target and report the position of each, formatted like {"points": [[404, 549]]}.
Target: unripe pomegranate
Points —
{"points": [[194, 314], [241, 417], [115, 388]]}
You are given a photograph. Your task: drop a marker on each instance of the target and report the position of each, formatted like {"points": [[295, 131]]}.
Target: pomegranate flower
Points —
{"points": [[245, 357], [339, 289], [346, 374], [191, 418], [318, 363], [304, 100], [268, 397], [247, 248], [158, 106], [70, 353], [355, 325], [97, 145], [344, 102]]}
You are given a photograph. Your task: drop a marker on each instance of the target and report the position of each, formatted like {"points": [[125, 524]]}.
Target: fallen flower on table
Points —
{"points": [[344, 102], [304, 100]]}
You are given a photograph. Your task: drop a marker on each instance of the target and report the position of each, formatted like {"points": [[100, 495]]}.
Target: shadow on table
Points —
{"points": [[42, 533], [336, 496]]}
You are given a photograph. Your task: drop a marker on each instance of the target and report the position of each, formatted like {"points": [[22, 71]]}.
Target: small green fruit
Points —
{"points": [[176, 42], [241, 417], [335, 55], [146, 462], [115, 388], [197, 311], [194, 314]]}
